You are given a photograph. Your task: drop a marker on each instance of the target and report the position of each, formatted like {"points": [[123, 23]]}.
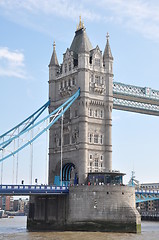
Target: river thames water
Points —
{"points": [[15, 228]]}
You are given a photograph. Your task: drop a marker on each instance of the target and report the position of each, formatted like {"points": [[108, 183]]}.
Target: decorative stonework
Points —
{"points": [[66, 91], [97, 88], [96, 103]]}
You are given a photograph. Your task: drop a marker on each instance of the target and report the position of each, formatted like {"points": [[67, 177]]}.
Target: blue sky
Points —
{"points": [[27, 31]]}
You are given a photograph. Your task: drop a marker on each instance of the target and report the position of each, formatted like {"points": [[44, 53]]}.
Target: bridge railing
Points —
{"points": [[131, 90], [32, 189], [147, 191]]}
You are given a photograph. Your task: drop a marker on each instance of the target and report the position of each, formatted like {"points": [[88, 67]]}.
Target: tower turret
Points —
{"points": [[53, 65], [108, 66], [108, 57], [53, 71]]}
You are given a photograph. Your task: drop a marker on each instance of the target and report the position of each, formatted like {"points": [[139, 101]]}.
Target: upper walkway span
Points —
{"points": [[135, 99]]}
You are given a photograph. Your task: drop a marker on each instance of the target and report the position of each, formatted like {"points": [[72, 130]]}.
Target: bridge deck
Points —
{"points": [[32, 190]]}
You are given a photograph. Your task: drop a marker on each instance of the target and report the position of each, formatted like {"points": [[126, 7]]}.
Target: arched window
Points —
{"points": [[90, 112], [90, 137], [96, 113]]}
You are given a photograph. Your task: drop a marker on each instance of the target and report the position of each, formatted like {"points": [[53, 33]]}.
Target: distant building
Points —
{"points": [[6, 203], [149, 207]]}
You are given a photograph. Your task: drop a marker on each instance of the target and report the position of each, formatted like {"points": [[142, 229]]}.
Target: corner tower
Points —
{"points": [[87, 145]]}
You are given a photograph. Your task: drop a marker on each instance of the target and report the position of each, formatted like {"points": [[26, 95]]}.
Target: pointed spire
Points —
{"points": [[80, 25], [107, 52], [81, 42], [54, 61]]}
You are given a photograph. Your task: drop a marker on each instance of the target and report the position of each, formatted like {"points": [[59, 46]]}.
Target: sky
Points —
{"points": [[27, 31]]}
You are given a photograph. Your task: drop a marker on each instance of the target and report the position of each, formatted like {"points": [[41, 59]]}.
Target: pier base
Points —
{"points": [[86, 208]]}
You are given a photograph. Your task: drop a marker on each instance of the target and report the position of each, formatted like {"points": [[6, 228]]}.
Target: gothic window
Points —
{"points": [[90, 165], [66, 139], [90, 157], [96, 113], [97, 62], [97, 79], [101, 113], [73, 81], [61, 84], [65, 68], [90, 60], [75, 61], [90, 112], [95, 138], [101, 157], [69, 82], [65, 84], [101, 139], [96, 164], [90, 137], [69, 66]]}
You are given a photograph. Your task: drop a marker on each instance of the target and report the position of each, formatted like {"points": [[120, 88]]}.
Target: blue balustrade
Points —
{"points": [[32, 189]]}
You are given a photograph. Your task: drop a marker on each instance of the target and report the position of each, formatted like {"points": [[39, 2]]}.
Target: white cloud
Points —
{"points": [[12, 63], [67, 9], [138, 15]]}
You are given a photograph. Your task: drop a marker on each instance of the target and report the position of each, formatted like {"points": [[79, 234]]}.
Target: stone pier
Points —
{"points": [[86, 208]]}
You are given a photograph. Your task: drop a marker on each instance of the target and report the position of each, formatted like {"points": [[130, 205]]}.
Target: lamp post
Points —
{"points": [[61, 145]]}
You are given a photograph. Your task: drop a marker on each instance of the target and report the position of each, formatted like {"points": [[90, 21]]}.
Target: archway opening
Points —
{"points": [[69, 175]]}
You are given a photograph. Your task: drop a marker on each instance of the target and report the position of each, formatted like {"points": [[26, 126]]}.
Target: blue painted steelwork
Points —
{"points": [[133, 105], [66, 173], [135, 99], [53, 117], [32, 190], [130, 90], [38, 112], [144, 196]]}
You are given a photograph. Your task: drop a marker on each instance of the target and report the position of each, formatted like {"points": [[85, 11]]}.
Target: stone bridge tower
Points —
{"points": [[87, 144], [87, 148]]}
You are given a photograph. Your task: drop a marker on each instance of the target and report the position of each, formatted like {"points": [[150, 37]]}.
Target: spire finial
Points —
{"points": [[81, 24], [54, 45], [107, 36]]}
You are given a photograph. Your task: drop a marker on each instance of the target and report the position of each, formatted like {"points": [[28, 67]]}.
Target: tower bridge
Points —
{"points": [[82, 95]]}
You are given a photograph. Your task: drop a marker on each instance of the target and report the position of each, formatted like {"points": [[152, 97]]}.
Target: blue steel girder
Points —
{"points": [[146, 199], [135, 99], [50, 119], [144, 196]]}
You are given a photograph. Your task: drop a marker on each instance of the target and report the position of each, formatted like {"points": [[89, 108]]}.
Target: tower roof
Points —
{"points": [[81, 42], [54, 61], [107, 51]]}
